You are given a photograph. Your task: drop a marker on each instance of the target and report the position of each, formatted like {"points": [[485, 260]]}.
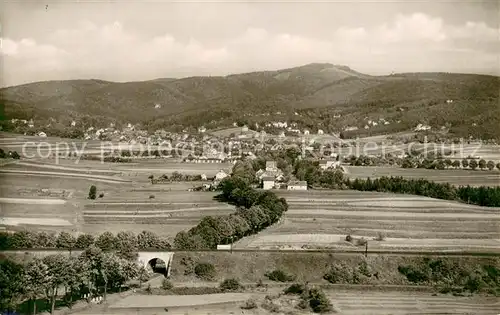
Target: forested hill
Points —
{"points": [[326, 88]]}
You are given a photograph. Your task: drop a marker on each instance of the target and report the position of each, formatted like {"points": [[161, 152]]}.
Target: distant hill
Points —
{"points": [[220, 100]]}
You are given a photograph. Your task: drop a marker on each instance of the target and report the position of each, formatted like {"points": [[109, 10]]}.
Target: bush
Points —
{"points": [[205, 271], [92, 192], [167, 285], [101, 195], [348, 238], [230, 285], [318, 301], [361, 242], [279, 275], [271, 306], [338, 274], [249, 304], [151, 196], [380, 237], [295, 288]]}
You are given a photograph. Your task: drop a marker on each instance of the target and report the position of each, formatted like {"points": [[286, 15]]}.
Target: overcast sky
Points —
{"points": [[141, 40]]}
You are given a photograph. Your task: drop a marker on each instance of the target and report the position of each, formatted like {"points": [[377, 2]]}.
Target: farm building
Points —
{"points": [[328, 163], [268, 182], [221, 175], [297, 185]]}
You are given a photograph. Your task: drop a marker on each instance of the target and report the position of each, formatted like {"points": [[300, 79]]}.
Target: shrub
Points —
{"points": [[249, 305], [348, 238], [380, 236], [361, 242], [338, 274], [318, 301], [92, 192], [279, 275], [151, 196], [271, 306], [230, 285], [205, 271], [295, 288], [101, 195], [167, 285]]}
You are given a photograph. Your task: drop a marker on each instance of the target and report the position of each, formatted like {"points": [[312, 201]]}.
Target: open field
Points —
{"points": [[54, 198], [454, 177], [324, 218], [346, 301]]}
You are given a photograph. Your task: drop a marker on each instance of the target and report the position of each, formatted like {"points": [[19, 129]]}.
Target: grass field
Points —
{"points": [[345, 301], [454, 177], [324, 218], [54, 197]]}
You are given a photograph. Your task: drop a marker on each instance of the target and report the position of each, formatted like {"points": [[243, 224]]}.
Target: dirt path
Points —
{"points": [[101, 178]]}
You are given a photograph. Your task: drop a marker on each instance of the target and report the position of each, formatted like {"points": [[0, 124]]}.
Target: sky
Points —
{"points": [[143, 40]]}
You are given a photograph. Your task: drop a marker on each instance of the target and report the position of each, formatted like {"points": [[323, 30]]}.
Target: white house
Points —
{"points": [[157, 106], [268, 183], [320, 132], [297, 185], [73, 123], [421, 127], [244, 128], [328, 163], [306, 132], [42, 134], [221, 175], [203, 177], [202, 129]]}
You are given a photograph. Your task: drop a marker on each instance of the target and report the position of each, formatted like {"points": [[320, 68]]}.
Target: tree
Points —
{"points": [[45, 239], [11, 279], [126, 245], [143, 275], [92, 192], [490, 165], [65, 240], [35, 280], [79, 276], [106, 241], [448, 163], [456, 164], [473, 164], [498, 165], [465, 163], [59, 271], [151, 178], [22, 239], [482, 164], [93, 258], [147, 240], [83, 241]]}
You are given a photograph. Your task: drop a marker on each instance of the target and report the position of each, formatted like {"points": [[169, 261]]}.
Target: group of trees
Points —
{"points": [[256, 210], [93, 271], [9, 154], [125, 244], [430, 162], [483, 196], [176, 177], [442, 164], [450, 275]]}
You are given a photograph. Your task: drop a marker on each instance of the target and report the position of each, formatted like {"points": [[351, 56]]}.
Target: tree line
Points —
{"points": [[125, 244], [92, 273], [482, 196], [256, 210], [9, 154]]}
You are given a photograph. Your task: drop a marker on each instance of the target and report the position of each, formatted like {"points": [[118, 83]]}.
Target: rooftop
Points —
{"points": [[298, 183]]}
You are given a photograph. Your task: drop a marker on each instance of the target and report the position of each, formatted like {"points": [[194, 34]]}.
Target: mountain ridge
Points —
{"points": [[171, 101]]}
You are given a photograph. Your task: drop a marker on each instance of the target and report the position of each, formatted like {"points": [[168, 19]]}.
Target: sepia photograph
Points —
{"points": [[203, 157]]}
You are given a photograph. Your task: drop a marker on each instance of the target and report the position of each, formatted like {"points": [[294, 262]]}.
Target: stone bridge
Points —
{"points": [[145, 258]]}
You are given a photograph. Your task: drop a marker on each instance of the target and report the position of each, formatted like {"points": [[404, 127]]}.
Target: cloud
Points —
{"points": [[415, 42]]}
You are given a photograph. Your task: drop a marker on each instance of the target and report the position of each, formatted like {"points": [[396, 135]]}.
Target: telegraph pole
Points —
{"points": [[366, 249]]}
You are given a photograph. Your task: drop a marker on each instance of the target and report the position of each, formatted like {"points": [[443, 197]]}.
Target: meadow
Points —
{"points": [[455, 177], [323, 219]]}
